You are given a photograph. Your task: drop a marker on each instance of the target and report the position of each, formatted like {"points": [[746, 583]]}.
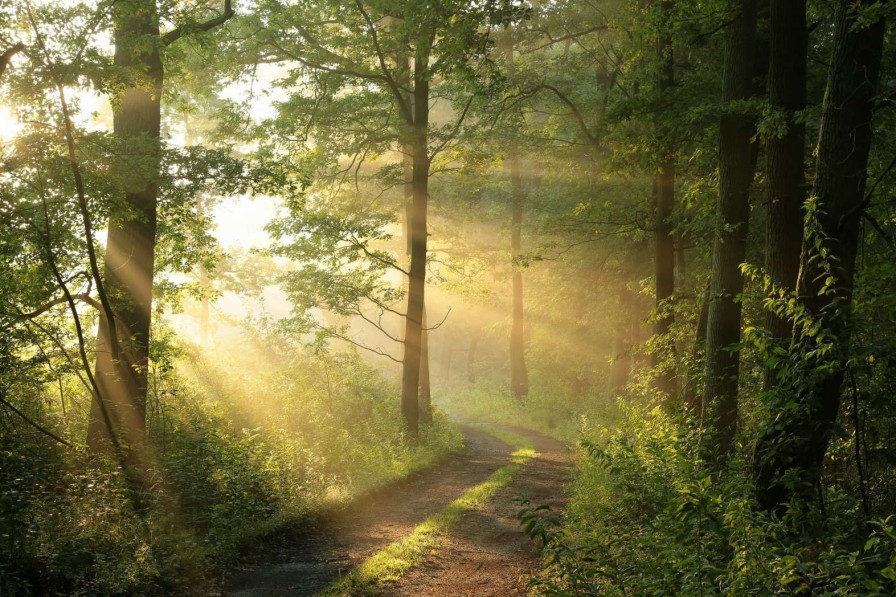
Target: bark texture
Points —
{"points": [[413, 336], [121, 364], [736, 166], [785, 167], [790, 454], [664, 198]]}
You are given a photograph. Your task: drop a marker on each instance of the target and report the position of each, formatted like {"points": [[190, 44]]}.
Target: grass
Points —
{"points": [[391, 563]]}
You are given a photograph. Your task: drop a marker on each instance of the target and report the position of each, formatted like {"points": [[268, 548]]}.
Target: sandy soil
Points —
{"points": [[485, 554]]}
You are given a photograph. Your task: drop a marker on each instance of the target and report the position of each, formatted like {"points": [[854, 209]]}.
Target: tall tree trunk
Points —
{"points": [[205, 287], [664, 197], [692, 398], [418, 237], [471, 359], [785, 168], [519, 377], [425, 389], [130, 250], [736, 168], [789, 456], [622, 360]]}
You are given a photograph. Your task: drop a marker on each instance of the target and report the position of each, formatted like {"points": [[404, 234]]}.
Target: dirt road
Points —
{"points": [[486, 553]]}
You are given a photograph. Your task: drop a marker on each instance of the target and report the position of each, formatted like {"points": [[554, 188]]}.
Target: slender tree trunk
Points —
{"points": [[425, 389], [789, 456], [205, 288], [519, 377], [471, 359], [692, 398], [622, 360], [425, 395], [730, 245], [413, 336], [130, 249], [664, 197], [785, 169]]}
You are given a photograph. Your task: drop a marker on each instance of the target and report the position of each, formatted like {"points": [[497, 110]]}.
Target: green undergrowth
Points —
{"points": [[394, 561], [648, 517], [560, 416], [245, 444]]}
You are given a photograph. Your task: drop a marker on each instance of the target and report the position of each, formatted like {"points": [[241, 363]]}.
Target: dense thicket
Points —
{"points": [[251, 253]]}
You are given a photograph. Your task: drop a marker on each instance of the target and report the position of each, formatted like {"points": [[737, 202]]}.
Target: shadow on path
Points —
{"points": [[347, 538]]}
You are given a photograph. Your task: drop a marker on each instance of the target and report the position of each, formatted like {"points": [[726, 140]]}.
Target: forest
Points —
{"points": [[448, 297]]}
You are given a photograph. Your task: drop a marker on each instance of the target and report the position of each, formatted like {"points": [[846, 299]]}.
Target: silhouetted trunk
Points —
{"points": [[7, 55], [130, 248], [736, 167], [410, 378], [785, 170], [789, 456], [664, 197], [519, 377], [692, 397]]}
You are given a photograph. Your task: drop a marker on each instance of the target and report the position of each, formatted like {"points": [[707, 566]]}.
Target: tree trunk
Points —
{"points": [[664, 197], [519, 377], [205, 287], [410, 378], [692, 398], [130, 251], [789, 456], [622, 360], [785, 168], [425, 389], [736, 166], [471, 359]]}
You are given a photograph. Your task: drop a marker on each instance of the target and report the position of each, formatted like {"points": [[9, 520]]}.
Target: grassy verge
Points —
{"points": [[394, 561]]}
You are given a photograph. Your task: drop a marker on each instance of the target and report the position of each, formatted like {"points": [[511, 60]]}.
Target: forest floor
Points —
{"points": [[484, 552]]}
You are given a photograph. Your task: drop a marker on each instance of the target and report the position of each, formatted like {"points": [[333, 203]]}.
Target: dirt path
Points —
{"points": [[486, 553]]}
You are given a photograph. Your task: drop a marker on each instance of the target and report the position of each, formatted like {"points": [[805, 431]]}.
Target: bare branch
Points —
{"points": [[333, 333], [457, 125], [438, 325]]}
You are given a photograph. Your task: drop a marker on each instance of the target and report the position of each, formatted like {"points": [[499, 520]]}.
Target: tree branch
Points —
{"points": [[7, 56], [84, 298], [393, 85], [175, 34], [28, 420]]}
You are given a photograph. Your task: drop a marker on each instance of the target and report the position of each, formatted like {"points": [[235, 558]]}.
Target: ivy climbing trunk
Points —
{"points": [[785, 167], [519, 377], [122, 348], [790, 450], [736, 169]]}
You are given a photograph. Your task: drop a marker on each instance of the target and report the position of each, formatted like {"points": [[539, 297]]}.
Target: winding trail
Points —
{"points": [[485, 553]]}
